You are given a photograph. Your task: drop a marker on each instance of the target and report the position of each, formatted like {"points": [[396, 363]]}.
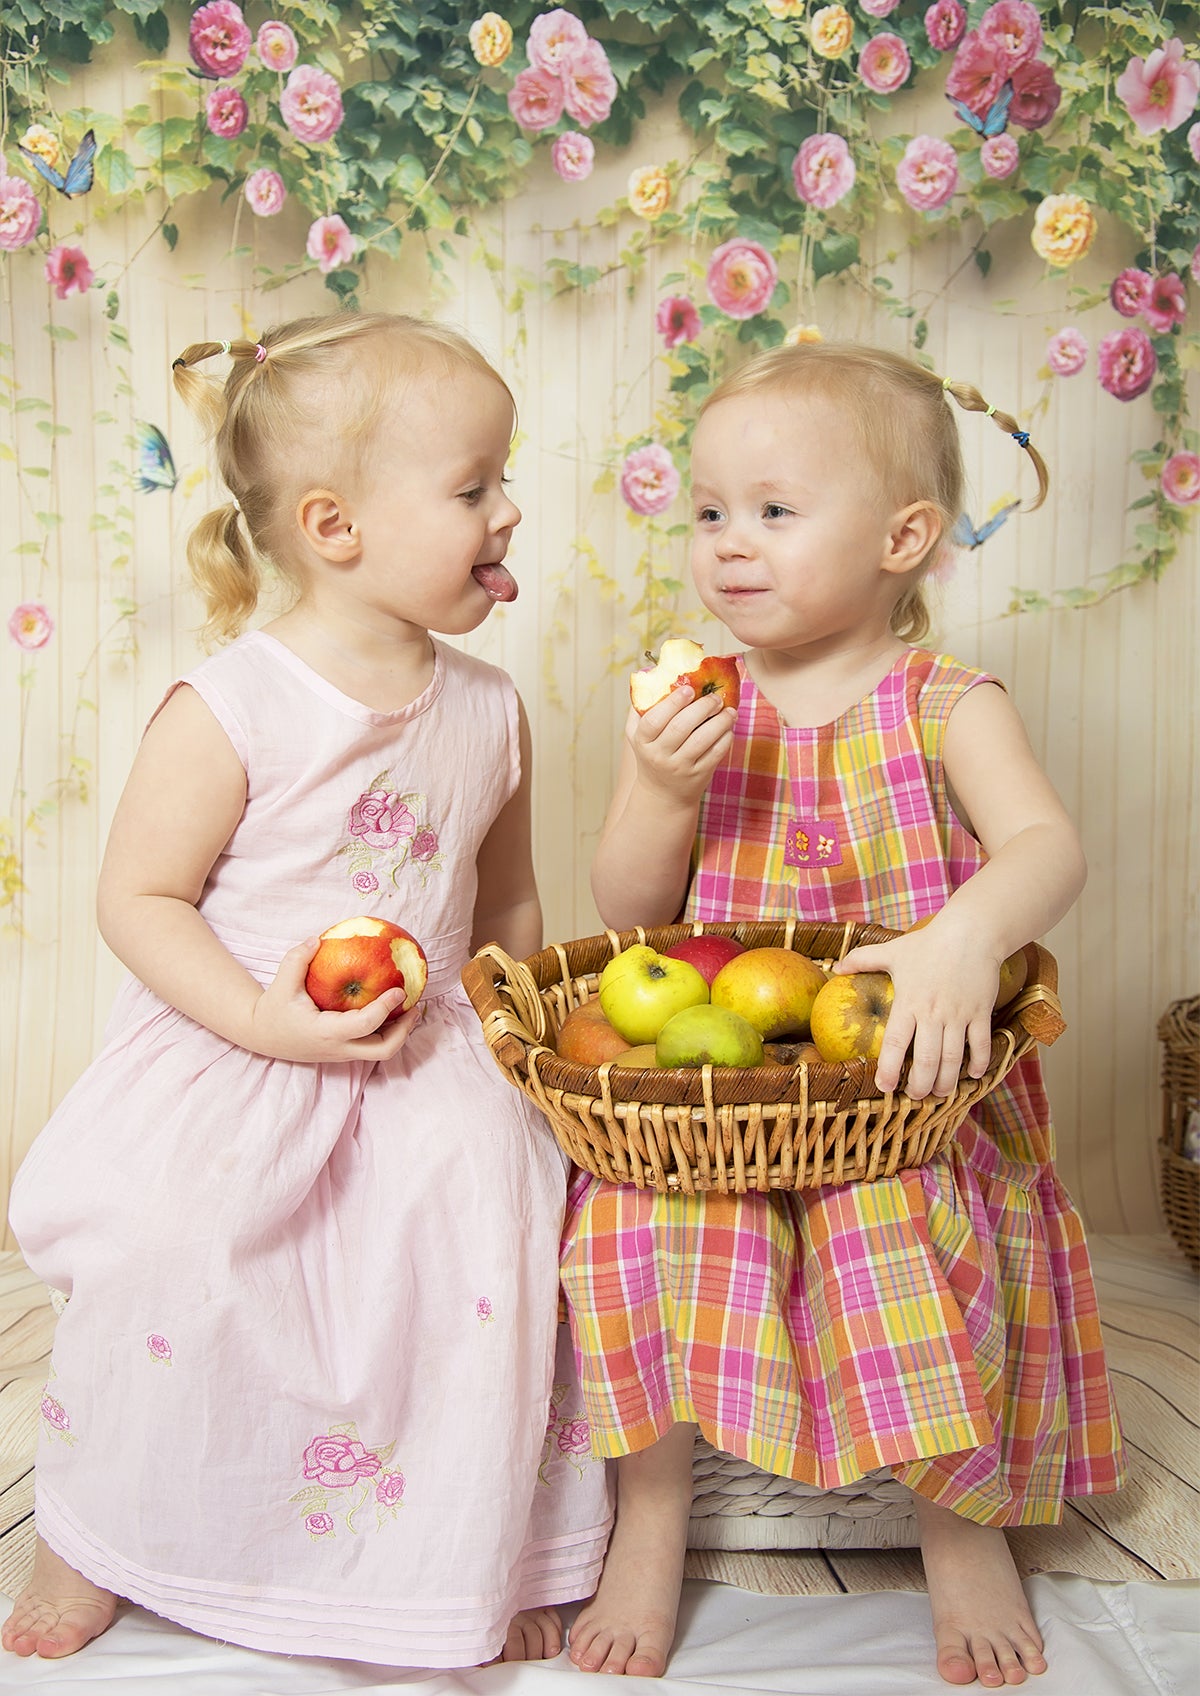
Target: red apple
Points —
{"points": [[587, 1038], [362, 958], [707, 953], [772, 987], [681, 660]]}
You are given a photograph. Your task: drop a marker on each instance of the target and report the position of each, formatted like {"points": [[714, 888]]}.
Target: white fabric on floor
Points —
{"points": [[1101, 1640]]}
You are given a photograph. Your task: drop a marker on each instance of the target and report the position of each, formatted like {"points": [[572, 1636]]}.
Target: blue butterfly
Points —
{"points": [[997, 118], [79, 173], [156, 468], [965, 535]]}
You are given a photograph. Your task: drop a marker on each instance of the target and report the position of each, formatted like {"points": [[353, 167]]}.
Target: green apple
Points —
{"points": [[640, 989], [772, 987], [707, 1035]]}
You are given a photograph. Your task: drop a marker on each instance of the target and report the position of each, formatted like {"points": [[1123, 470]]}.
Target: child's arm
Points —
{"points": [[184, 797], [507, 909], [945, 975], [640, 872]]}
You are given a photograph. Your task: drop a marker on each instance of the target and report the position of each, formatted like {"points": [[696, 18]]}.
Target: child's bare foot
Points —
{"points": [[535, 1634], [58, 1611], [629, 1624], [981, 1620]]}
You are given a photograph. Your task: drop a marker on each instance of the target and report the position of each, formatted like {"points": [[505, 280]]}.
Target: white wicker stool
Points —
{"points": [[737, 1506]]}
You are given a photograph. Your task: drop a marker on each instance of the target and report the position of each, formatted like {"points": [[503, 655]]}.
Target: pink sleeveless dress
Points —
{"points": [[304, 1395], [942, 1322]]}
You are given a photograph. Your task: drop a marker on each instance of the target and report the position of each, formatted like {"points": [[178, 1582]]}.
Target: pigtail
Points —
{"points": [[971, 400]]}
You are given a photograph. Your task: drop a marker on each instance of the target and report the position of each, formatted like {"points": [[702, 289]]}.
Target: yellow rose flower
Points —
{"points": [[649, 191], [785, 9], [1064, 227], [831, 31], [799, 334], [38, 139], [491, 39]]}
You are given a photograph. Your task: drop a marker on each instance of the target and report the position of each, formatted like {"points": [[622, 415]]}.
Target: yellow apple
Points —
{"points": [[849, 1015], [643, 1055], [773, 988], [640, 989]]}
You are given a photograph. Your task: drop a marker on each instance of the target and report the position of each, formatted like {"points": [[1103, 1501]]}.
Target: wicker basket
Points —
{"points": [[1179, 1034], [728, 1128], [737, 1506]]}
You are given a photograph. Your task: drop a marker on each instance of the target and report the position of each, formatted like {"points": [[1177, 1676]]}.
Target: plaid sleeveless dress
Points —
{"points": [[942, 1322]]}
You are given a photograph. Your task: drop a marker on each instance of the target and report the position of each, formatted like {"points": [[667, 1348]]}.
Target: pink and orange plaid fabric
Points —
{"points": [[942, 1322]]}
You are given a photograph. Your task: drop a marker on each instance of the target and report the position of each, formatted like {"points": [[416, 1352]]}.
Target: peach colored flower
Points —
{"points": [[1013, 26], [823, 170], [68, 268], [1160, 91], [573, 156], [311, 104], [803, 335], [536, 99], [30, 625], [649, 480], [1000, 155], [1127, 363], [927, 175], [555, 39], [831, 31], [884, 64], [337, 1460], [277, 46], [589, 86], [1167, 305], [785, 9], [264, 191], [218, 39], [330, 243], [38, 139], [741, 278], [677, 320], [1181, 479], [1064, 227], [20, 213], [491, 39], [649, 192], [1067, 351], [945, 22], [226, 112]]}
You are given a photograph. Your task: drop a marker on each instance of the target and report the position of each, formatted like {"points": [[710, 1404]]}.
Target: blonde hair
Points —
{"points": [[900, 419], [298, 408]]}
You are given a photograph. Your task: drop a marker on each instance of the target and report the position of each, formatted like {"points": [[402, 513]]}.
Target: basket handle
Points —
{"points": [[479, 980], [1038, 1008]]}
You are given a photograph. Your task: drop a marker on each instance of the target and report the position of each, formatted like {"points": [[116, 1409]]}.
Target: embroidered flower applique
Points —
{"points": [[484, 1311], [568, 1437], [386, 831], [346, 1478], [158, 1348], [56, 1421]]}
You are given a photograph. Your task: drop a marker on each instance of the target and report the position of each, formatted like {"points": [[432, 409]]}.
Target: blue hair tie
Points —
{"points": [[1021, 436]]}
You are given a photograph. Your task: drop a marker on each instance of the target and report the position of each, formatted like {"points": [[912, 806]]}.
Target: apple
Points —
{"points": [[791, 1053], [587, 1037], [708, 953], [642, 1055], [773, 988], [707, 1035], [680, 660], [359, 960], [849, 1015], [640, 989]]}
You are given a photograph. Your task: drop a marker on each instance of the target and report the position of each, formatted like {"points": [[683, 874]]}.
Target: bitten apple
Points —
{"points": [[587, 1037], [708, 953], [708, 1036], [849, 1015], [640, 989], [361, 959], [680, 660], [773, 988]]}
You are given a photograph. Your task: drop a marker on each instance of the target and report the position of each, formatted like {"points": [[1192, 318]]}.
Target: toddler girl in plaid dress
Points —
{"points": [[941, 1322]]}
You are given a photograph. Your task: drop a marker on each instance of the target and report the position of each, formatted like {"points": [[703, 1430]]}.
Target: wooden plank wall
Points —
{"points": [[1108, 693]]}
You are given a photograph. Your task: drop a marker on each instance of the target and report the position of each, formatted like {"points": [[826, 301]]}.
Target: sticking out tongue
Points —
{"points": [[499, 582]]}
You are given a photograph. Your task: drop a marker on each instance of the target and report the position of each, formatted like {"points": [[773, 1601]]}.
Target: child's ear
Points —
{"points": [[912, 534], [328, 526]]}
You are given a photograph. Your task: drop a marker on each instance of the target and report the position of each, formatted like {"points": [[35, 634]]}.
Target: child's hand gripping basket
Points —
{"points": [[726, 1127]]}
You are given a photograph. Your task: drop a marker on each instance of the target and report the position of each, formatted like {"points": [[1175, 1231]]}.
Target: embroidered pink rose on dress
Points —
{"points": [[347, 1478], [389, 1488], [387, 829], [574, 1437], [318, 1524], [159, 1348], [55, 1417], [337, 1461], [568, 1439], [483, 1310]]}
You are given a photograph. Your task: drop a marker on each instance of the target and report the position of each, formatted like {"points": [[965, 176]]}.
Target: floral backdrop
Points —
{"points": [[391, 124]]}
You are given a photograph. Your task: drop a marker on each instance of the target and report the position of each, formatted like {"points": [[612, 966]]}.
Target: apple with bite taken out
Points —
{"points": [[773, 988], [708, 953], [359, 960], [708, 1036], [849, 1015], [587, 1037], [680, 660], [640, 989]]}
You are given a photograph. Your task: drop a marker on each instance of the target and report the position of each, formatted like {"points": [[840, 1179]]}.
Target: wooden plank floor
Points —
{"points": [[1150, 1302]]}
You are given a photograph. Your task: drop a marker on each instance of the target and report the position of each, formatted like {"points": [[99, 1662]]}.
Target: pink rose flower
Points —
{"points": [[1181, 479], [336, 1460], [573, 156], [555, 38], [20, 213], [381, 818], [1014, 28], [311, 104], [1035, 95], [574, 1437], [823, 170], [884, 64], [1193, 141], [879, 8], [649, 480], [979, 72], [1066, 352], [389, 1488], [589, 86], [67, 268], [366, 883], [330, 243], [483, 1310], [218, 39], [1130, 291], [1167, 305], [536, 99], [944, 24], [424, 845], [677, 320], [277, 46], [226, 112], [319, 1524], [1127, 363], [158, 1346], [741, 278], [927, 175], [30, 625], [265, 193], [54, 1413], [1000, 155], [1161, 90]]}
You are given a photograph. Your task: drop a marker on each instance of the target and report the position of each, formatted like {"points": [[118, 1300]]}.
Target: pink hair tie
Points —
{"points": [[260, 353]]}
